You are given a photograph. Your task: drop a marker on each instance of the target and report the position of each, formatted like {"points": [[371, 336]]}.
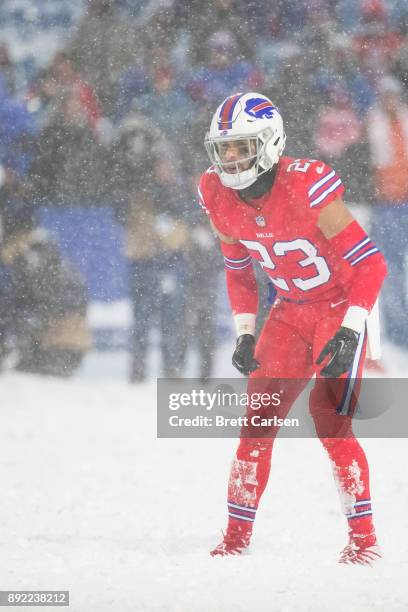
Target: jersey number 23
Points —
{"points": [[280, 249]]}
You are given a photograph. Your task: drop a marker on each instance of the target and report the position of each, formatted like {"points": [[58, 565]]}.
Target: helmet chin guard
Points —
{"points": [[240, 180], [246, 118]]}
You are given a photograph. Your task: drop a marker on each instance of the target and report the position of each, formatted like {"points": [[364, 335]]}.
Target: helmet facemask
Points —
{"points": [[241, 170]]}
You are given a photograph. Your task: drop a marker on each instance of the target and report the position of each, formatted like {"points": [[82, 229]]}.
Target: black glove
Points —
{"points": [[341, 349], [243, 357]]}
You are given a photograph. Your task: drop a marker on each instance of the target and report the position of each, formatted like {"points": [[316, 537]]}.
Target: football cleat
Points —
{"points": [[361, 551], [235, 542]]}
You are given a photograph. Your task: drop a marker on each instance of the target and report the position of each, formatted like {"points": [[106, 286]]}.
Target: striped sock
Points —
{"points": [[246, 514], [360, 520]]}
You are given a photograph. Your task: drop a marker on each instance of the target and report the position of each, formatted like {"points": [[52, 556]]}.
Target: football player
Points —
{"points": [[288, 214]]}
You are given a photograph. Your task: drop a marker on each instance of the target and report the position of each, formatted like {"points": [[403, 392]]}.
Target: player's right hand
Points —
{"points": [[243, 357]]}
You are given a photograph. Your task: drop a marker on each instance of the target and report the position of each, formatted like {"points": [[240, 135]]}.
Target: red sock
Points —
{"points": [[248, 478], [362, 530], [351, 473]]}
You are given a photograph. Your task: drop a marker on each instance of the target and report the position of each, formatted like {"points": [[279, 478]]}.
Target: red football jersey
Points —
{"points": [[282, 231]]}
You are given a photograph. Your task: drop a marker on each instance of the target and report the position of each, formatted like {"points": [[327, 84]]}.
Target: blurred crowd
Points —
{"points": [[117, 117]]}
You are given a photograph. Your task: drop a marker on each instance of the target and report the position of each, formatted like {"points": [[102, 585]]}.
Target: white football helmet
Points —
{"points": [[246, 139]]}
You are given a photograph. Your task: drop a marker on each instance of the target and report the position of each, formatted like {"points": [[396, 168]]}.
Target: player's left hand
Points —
{"points": [[341, 349]]}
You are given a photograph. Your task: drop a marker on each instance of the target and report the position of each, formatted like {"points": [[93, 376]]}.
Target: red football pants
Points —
{"points": [[290, 342]]}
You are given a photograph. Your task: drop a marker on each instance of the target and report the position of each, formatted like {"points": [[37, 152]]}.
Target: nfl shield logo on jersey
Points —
{"points": [[260, 221]]}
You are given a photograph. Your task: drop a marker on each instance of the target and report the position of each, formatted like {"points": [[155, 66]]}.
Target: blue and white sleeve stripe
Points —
{"points": [[237, 264], [360, 251], [322, 188]]}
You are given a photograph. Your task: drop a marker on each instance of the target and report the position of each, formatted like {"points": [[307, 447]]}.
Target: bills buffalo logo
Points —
{"points": [[259, 108]]}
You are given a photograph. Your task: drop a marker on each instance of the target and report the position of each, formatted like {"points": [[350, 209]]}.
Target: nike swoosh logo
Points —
{"points": [[333, 305], [320, 169]]}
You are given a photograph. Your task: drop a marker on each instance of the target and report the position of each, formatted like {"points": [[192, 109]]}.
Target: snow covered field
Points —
{"points": [[93, 502]]}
